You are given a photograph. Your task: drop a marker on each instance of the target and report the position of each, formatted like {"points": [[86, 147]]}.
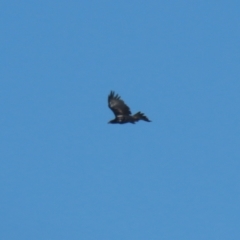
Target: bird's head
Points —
{"points": [[113, 121]]}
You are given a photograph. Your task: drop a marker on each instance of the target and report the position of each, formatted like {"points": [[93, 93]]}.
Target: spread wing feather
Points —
{"points": [[117, 105]]}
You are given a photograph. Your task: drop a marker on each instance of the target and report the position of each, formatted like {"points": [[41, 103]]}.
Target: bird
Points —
{"points": [[122, 112]]}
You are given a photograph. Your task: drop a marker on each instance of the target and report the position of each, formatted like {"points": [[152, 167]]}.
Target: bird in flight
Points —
{"points": [[122, 111]]}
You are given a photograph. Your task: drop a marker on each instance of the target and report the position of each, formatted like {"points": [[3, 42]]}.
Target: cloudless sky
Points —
{"points": [[67, 174]]}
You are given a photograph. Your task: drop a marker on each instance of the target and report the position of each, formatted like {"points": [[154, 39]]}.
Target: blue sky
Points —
{"points": [[67, 174]]}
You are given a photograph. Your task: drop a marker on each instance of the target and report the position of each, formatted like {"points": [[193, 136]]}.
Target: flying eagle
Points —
{"points": [[122, 111]]}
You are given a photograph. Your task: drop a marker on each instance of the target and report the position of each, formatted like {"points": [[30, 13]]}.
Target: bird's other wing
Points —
{"points": [[117, 105]]}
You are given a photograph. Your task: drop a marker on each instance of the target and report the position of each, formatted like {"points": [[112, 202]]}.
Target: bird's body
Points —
{"points": [[122, 111]]}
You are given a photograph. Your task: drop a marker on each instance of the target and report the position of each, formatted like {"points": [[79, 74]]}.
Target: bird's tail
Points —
{"points": [[140, 116]]}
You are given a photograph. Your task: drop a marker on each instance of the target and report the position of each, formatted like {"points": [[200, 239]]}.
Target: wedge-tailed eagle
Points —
{"points": [[122, 111]]}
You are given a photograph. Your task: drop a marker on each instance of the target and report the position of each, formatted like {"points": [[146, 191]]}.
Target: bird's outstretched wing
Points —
{"points": [[117, 105]]}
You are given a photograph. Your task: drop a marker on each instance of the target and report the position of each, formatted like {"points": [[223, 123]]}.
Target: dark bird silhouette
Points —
{"points": [[122, 111]]}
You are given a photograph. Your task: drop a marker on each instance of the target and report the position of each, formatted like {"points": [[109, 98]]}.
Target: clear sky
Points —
{"points": [[67, 174]]}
